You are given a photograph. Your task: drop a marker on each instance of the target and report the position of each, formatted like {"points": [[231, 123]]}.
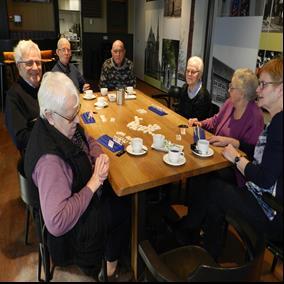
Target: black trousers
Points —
{"points": [[226, 197], [118, 220]]}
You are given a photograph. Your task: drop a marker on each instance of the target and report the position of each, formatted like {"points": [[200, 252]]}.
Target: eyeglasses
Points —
{"points": [[263, 84], [65, 50], [30, 63], [232, 88], [71, 119], [193, 72], [118, 51]]}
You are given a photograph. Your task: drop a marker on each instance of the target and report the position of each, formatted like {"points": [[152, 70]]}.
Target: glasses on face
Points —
{"points": [[193, 72], [67, 50], [30, 63], [118, 51], [263, 84], [232, 88], [70, 119]]}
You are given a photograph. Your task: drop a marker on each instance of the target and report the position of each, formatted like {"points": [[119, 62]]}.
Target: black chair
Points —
{"points": [[171, 97], [214, 109], [193, 263], [275, 247]]}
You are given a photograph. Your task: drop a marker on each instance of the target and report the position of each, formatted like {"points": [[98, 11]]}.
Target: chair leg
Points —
{"points": [[104, 266], [274, 262], [27, 224]]}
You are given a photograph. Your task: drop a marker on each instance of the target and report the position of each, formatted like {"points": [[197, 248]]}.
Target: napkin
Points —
{"points": [[104, 140], [86, 118], [198, 133], [157, 110]]}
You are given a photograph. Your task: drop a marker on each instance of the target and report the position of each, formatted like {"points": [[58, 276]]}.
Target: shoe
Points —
{"points": [[117, 276], [186, 237]]}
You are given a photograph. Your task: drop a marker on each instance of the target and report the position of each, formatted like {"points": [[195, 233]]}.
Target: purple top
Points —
{"points": [[246, 129], [53, 178]]}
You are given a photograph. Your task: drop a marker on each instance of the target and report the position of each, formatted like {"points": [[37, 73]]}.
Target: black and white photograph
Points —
{"points": [[273, 16], [172, 8]]}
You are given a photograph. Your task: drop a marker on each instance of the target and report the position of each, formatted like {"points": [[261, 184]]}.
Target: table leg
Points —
{"points": [[137, 231]]}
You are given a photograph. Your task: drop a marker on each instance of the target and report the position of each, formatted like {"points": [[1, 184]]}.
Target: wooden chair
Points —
{"points": [[193, 263]]}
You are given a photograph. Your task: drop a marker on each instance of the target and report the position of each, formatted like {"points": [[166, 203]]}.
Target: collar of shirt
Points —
{"points": [[118, 67], [64, 68], [194, 92]]}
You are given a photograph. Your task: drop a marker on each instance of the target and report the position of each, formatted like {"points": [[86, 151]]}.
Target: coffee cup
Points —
{"points": [[104, 91], [174, 154], [88, 93], [137, 144], [158, 140], [129, 90], [202, 146], [101, 101]]}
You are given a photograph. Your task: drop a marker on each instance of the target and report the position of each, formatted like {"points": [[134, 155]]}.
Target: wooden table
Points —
{"points": [[133, 174]]}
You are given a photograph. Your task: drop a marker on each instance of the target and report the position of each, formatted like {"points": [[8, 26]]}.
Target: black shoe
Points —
{"points": [[117, 276], [186, 237]]}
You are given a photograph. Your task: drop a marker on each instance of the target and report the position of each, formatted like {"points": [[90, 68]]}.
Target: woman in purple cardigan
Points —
{"points": [[239, 121]]}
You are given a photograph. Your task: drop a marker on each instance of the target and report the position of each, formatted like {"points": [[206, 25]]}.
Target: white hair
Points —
{"points": [[23, 47], [198, 63], [53, 92], [61, 41]]}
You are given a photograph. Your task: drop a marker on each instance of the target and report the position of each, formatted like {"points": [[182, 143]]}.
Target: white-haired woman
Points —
{"points": [[195, 101], [21, 101], [85, 220]]}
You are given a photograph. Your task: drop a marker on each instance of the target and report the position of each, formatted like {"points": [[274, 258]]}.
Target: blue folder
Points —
{"points": [[86, 118], [104, 140], [157, 111]]}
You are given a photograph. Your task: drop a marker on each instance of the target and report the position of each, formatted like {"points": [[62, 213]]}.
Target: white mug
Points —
{"points": [[137, 144], [129, 90], [174, 154], [158, 140], [203, 146], [104, 91], [88, 93]]}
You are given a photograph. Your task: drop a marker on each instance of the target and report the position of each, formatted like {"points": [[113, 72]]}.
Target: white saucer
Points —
{"points": [[129, 150], [209, 154], [101, 106], [180, 162], [89, 98]]}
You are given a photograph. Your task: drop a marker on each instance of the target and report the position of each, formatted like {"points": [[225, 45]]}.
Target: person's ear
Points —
{"points": [[57, 52], [49, 117]]}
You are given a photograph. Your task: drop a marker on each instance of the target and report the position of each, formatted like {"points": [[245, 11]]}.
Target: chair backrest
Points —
{"points": [[201, 266], [174, 92], [250, 270]]}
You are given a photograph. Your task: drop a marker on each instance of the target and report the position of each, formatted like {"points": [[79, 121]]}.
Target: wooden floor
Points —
{"points": [[18, 262]]}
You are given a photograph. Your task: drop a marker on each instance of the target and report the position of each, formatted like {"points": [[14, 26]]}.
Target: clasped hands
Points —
{"points": [[100, 172]]}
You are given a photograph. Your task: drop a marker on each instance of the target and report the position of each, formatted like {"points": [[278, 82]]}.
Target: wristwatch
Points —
{"points": [[236, 160]]}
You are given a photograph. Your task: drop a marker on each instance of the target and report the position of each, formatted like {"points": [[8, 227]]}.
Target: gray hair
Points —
{"points": [[246, 80], [61, 41], [54, 89], [24, 46], [198, 62]]}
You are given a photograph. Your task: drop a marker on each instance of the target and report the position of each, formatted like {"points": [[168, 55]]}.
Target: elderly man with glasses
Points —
{"points": [[21, 102], [85, 220], [65, 66], [117, 71]]}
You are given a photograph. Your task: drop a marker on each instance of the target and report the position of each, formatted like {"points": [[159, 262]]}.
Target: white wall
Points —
{"points": [[236, 41]]}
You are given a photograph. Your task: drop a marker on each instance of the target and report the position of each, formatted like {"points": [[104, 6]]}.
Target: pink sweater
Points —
{"points": [[53, 178]]}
